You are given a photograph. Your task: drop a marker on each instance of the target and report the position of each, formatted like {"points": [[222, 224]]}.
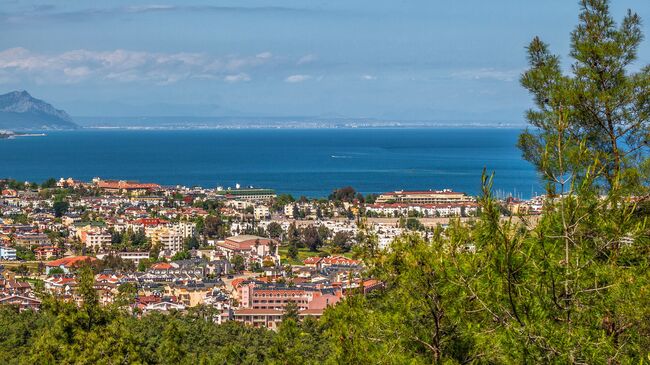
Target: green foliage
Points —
{"points": [[181, 255], [341, 242], [191, 243], [569, 287], [56, 271], [238, 263], [213, 226], [311, 238], [600, 109], [49, 184], [25, 253], [274, 230], [345, 194]]}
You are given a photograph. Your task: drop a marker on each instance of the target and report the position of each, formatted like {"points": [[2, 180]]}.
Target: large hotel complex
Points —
{"points": [[445, 196]]}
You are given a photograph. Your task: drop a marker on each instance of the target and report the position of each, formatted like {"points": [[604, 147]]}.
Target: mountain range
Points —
{"points": [[21, 111]]}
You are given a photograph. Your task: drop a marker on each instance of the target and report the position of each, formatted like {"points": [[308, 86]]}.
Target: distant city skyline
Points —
{"points": [[408, 60]]}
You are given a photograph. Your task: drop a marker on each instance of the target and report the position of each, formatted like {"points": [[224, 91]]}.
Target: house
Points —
{"points": [[313, 261], [61, 285], [22, 302], [163, 307], [136, 257], [339, 261], [45, 253], [67, 264]]}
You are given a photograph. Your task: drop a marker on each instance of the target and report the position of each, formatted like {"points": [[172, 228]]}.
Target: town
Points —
{"points": [[246, 252]]}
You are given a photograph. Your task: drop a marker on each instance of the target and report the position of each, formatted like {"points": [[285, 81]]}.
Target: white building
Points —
{"points": [[169, 240], [97, 240], [7, 253], [261, 212]]}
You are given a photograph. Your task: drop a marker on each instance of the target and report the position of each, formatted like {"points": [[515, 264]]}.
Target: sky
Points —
{"points": [[395, 60]]}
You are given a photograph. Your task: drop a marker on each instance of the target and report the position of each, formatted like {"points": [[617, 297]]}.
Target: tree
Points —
{"points": [[213, 226], [274, 230], [602, 104], [281, 201], [323, 232], [25, 253], [49, 184], [171, 350], [191, 243], [181, 255], [311, 238], [413, 224], [238, 263], [56, 271], [342, 241], [371, 198], [345, 194], [126, 294], [60, 208], [292, 251]]}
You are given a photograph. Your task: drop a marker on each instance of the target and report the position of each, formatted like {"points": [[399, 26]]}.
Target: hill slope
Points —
{"points": [[21, 111]]}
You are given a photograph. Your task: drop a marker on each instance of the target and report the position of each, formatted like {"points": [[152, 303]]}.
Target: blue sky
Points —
{"points": [[408, 59]]}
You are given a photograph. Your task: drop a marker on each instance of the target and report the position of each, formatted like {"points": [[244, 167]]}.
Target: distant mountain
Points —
{"points": [[20, 111]]}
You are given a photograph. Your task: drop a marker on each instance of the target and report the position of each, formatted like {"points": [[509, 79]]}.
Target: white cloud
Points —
{"points": [[368, 77], [238, 77], [22, 65], [264, 55], [487, 73], [297, 78], [308, 58]]}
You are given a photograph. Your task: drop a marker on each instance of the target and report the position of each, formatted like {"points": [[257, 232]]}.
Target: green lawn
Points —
{"points": [[303, 253]]}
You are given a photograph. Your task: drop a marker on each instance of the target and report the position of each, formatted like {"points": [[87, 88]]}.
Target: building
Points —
{"points": [[249, 247], [121, 186], [32, 239], [261, 212], [258, 295], [424, 197], [97, 241], [45, 253], [169, 240], [22, 302], [136, 257], [67, 264], [248, 194], [7, 253], [269, 318]]}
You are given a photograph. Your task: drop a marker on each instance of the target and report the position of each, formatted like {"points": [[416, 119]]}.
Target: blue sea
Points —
{"points": [[308, 162]]}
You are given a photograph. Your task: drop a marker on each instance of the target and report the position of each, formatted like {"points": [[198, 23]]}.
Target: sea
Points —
{"points": [[310, 162]]}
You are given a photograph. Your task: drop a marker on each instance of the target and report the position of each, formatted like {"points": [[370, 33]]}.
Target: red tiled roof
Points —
{"points": [[70, 261], [112, 184], [150, 221], [236, 282], [439, 192], [312, 260], [340, 260], [161, 266]]}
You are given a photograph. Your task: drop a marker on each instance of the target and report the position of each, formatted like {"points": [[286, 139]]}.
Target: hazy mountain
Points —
{"points": [[20, 111]]}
